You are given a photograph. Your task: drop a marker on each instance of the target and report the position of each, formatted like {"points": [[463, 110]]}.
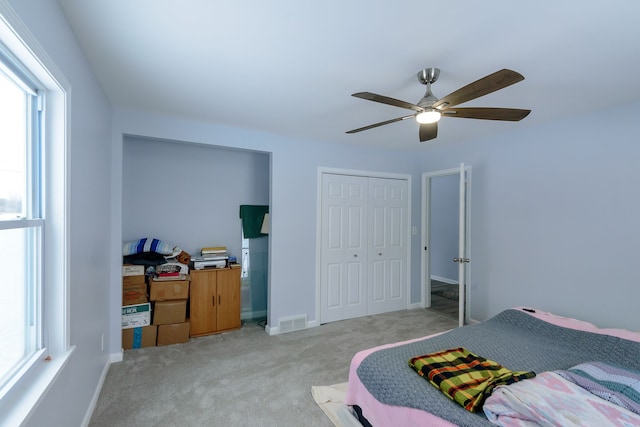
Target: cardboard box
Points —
{"points": [[162, 290], [174, 333], [133, 280], [172, 311], [135, 294], [132, 270], [139, 337], [137, 315]]}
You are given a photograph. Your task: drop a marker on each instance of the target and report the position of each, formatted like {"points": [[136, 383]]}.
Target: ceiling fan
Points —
{"points": [[430, 109]]}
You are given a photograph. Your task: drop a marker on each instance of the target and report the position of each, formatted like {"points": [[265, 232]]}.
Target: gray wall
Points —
{"points": [[293, 202], [189, 194], [89, 170], [444, 226], [554, 213], [555, 217]]}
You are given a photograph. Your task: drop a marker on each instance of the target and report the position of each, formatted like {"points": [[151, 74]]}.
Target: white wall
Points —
{"points": [[67, 400], [555, 217], [294, 165]]}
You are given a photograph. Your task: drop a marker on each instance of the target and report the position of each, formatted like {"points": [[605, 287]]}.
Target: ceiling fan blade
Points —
{"points": [[508, 114], [386, 100], [381, 124], [428, 131], [491, 83]]}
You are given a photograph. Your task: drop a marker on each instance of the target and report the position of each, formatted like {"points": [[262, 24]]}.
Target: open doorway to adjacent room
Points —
{"points": [[254, 275], [445, 235]]}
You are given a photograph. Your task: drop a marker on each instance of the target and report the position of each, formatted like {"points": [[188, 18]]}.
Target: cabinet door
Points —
{"points": [[228, 285], [203, 302]]}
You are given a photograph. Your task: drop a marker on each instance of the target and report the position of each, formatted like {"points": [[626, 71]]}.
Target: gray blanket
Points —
{"points": [[514, 339]]}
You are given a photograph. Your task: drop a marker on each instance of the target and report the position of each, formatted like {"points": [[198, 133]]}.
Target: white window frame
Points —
{"points": [[22, 395]]}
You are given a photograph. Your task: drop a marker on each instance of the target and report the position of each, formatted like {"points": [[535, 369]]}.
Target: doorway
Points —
{"points": [[445, 224]]}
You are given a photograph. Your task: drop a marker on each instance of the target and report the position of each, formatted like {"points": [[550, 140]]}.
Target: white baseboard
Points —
{"points": [[445, 280], [116, 357], [96, 394], [415, 305]]}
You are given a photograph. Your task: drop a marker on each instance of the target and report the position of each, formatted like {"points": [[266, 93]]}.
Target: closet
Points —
{"points": [[364, 245]]}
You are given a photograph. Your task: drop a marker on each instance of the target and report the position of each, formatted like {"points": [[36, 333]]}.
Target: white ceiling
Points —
{"points": [[290, 66]]}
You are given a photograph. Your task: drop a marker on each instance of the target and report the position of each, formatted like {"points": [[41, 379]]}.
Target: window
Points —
{"points": [[34, 223], [21, 219]]}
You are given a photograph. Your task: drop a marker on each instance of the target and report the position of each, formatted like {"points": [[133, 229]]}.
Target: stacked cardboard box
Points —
{"points": [[134, 285], [139, 337], [169, 298], [137, 330]]}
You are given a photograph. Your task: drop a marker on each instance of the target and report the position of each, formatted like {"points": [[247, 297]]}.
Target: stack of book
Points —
{"points": [[214, 250], [211, 257], [169, 272]]}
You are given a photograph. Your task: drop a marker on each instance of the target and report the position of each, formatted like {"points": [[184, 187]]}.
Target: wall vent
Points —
{"points": [[290, 324]]}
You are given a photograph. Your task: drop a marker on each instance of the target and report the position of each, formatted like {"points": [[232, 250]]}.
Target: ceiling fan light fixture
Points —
{"points": [[430, 109], [428, 116]]}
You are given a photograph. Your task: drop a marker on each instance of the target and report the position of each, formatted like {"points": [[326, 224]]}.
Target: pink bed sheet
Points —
{"points": [[379, 414]]}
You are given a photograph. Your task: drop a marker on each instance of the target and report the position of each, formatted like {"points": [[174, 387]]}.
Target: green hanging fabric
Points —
{"points": [[252, 217]]}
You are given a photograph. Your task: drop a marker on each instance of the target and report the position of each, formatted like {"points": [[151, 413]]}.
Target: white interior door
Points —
{"points": [[344, 247], [387, 226], [462, 259], [431, 255]]}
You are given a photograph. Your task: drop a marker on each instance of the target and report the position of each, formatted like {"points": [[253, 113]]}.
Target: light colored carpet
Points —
{"points": [[246, 377]]}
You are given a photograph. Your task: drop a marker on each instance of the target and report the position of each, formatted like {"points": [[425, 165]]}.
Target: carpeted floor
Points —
{"points": [[444, 290], [444, 298], [246, 377]]}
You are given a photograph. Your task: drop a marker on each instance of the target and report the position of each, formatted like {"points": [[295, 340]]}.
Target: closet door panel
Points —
{"points": [[377, 289], [334, 285], [343, 247], [388, 204], [396, 274]]}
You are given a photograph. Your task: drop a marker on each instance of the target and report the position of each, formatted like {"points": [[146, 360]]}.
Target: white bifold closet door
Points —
{"points": [[364, 246]]}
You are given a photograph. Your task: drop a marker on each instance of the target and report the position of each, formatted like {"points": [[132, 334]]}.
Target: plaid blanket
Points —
{"points": [[464, 377]]}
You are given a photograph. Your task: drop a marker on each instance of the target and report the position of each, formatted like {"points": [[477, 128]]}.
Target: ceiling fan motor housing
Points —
{"points": [[427, 77]]}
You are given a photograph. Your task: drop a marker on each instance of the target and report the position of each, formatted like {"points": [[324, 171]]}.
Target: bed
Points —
{"points": [[384, 391]]}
